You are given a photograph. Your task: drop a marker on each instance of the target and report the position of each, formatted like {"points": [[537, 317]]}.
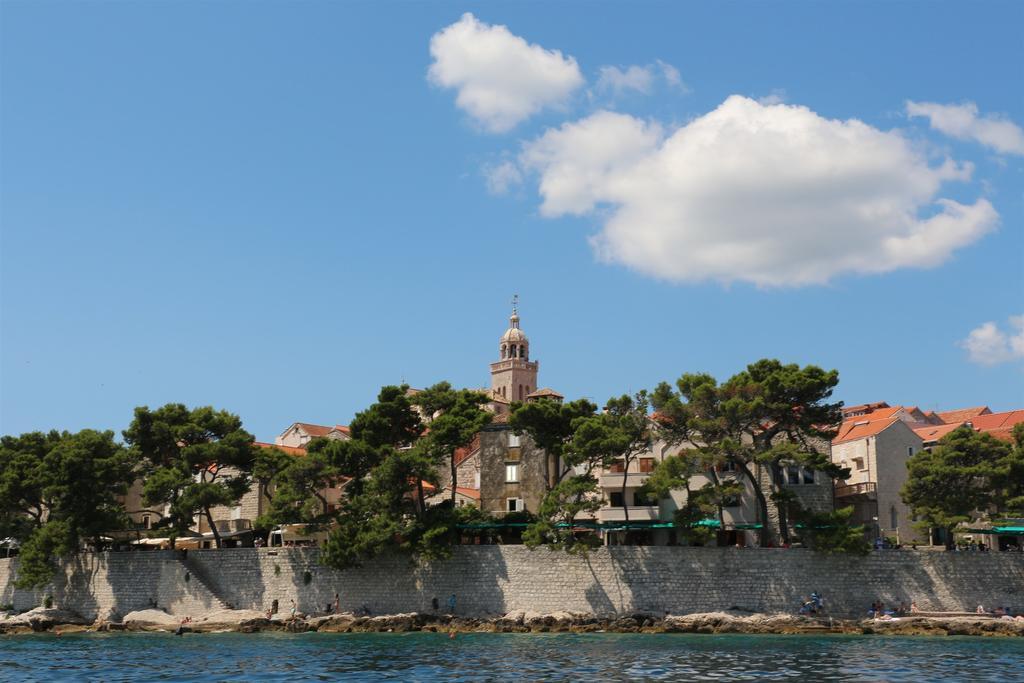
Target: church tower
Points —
{"points": [[514, 375]]}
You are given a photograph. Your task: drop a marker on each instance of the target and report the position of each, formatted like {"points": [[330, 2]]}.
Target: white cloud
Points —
{"points": [[641, 79], [616, 80], [773, 195], [989, 345], [961, 121], [501, 177], [672, 77], [500, 78], [776, 96]]}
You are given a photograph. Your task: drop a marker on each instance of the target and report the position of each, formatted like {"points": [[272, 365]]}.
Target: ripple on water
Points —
{"points": [[519, 657]]}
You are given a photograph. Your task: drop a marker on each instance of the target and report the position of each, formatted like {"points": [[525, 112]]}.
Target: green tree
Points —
{"points": [[675, 473], [383, 509], [269, 463], [1009, 479], [23, 480], [194, 460], [68, 494], [555, 525], [770, 416], [832, 532], [391, 423], [627, 434], [954, 481], [551, 426], [585, 442], [385, 516], [454, 418]]}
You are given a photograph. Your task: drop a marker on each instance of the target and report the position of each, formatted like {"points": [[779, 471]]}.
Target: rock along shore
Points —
{"points": [[247, 621]]}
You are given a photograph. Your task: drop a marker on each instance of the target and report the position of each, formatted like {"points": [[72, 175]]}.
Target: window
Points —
{"points": [[858, 463], [893, 517], [513, 504], [727, 466], [793, 473], [646, 464], [145, 522], [617, 467], [615, 499], [808, 476], [910, 450], [511, 472], [642, 499], [513, 440]]}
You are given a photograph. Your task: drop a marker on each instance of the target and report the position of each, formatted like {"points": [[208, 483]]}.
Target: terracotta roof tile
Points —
{"points": [[963, 414], [999, 425], [314, 430], [461, 454], [864, 408], [855, 428], [468, 492], [293, 450], [934, 432]]}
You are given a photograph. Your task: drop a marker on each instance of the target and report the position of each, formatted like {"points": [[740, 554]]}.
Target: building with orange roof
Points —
{"points": [[299, 434], [930, 434], [963, 414], [874, 443], [999, 425]]}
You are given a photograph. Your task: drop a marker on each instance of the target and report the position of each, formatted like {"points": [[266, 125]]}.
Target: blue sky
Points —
{"points": [[272, 208]]}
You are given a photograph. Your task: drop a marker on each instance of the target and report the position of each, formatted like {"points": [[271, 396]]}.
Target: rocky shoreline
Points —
{"points": [[56, 621]]}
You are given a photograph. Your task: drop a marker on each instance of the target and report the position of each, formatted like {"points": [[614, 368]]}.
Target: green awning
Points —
{"points": [[995, 531], [612, 526]]}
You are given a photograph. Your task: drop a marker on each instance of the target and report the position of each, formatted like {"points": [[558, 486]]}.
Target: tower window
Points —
{"points": [[511, 472]]}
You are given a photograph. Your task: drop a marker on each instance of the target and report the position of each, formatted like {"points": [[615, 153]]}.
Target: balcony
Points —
{"points": [[613, 480], [637, 513], [867, 488]]}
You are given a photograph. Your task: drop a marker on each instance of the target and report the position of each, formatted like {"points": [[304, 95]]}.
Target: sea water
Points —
{"points": [[505, 657]]}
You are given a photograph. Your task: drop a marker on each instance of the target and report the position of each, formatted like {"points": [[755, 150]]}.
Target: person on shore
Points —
{"points": [[980, 610], [451, 604], [294, 610], [913, 607]]}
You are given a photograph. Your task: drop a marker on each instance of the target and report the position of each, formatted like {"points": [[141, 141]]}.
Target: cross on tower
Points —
{"points": [[515, 303]]}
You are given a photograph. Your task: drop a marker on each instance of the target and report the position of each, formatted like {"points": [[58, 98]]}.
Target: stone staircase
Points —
{"points": [[198, 574]]}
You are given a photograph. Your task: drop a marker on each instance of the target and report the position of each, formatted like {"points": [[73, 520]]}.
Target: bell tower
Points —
{"points": [[514, 375]]}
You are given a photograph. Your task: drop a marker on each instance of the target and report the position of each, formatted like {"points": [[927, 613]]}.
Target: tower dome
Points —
{"points": [[514, 343], [513, 375]]}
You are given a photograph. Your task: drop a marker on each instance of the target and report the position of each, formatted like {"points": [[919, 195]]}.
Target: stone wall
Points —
{"points": [[109, 585], [491, 580], [494, 453]]}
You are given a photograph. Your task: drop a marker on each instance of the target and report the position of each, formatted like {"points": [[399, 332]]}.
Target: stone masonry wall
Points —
{"points": [[492, 580], [113, 584]]}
